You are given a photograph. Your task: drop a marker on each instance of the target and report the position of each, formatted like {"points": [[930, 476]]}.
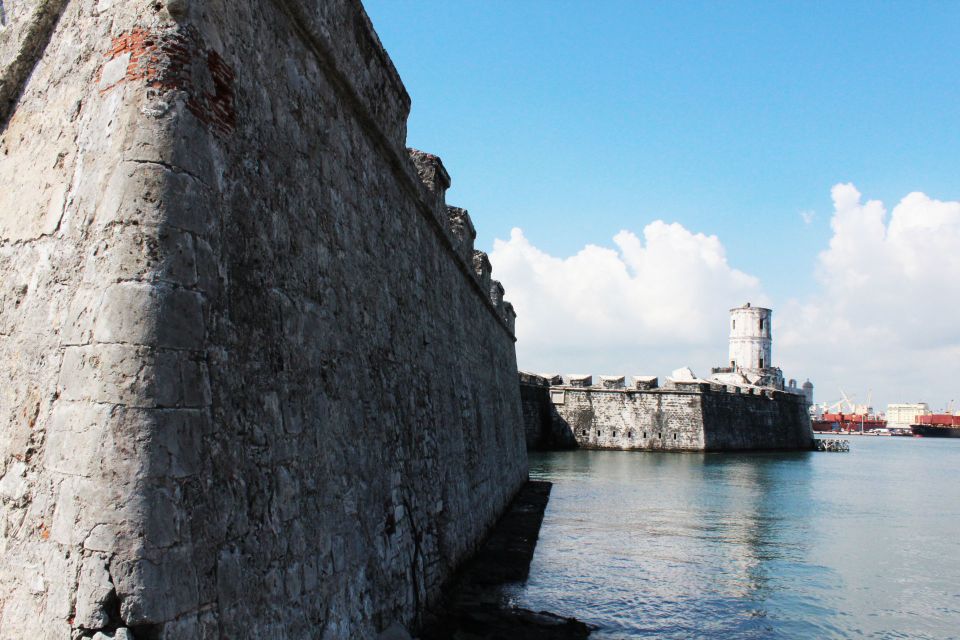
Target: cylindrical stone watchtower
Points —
{"points": [[750, 338]]}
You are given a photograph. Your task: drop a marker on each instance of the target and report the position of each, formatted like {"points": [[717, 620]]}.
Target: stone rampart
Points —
{"points": [[537, 414], [254, 383], [695, 416]]}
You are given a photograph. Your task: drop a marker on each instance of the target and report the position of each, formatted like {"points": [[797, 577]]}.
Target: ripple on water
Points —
{"points": [[751, 546]]}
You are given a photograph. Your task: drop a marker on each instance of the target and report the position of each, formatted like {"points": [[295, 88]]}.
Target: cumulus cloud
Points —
{"points": [[885, 316], [644, 305]]}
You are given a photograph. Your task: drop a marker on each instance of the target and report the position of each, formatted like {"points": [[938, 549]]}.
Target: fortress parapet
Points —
{"points": [[510, 315], [434, 176], [459, 230], [687, 414], [645, 382], [496, 295], [612, 382], [579, 380], [741, 407], [482, 268], [464, 234]]}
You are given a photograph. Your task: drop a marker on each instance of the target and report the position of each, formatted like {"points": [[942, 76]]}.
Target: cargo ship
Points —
{"points": [[848, 423], [936, 425]]}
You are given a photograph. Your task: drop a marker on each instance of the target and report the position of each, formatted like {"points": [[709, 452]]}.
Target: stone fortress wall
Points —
{"points": [[742, 407], [682, 416], [257, 383]]}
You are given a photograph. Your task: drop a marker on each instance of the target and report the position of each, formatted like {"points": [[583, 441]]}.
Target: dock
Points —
{"points": [[832, 444]]}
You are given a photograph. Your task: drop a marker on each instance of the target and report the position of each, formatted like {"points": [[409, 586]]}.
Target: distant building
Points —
{"points": [[902, 415]]}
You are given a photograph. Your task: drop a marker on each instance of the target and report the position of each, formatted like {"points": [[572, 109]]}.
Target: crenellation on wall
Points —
{"points": [[464, 233], [434, 177], [510, 315], [457, 227], [482, 269], [645, 382], [579, 380], [612, 382], [496, 296]]}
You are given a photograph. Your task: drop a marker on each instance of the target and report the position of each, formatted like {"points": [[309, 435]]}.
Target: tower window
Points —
{"points": [[761, 324], [761, 362], [734, 323]]}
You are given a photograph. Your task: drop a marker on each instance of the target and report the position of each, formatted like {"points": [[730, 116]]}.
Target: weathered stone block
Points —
{"points": [[510, 316], [435, 178], [612, 382], [579, 380], [481, 267], [645, 382], [463, 232], [122, 374], [94, 591], [496, 296]]}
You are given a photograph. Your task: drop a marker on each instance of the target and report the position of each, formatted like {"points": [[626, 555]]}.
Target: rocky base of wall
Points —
{"points": [[474, 608]]}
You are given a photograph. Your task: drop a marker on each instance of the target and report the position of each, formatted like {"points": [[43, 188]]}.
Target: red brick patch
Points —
{"points": [[178, 60]]}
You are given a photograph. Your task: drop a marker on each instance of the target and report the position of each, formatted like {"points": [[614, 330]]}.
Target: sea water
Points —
{"points": [[760, 545]]}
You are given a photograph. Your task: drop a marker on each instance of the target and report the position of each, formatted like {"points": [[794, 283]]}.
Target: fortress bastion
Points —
{"points": [[257, 382]]}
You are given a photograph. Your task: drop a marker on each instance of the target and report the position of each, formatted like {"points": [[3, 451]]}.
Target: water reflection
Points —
{"points": [[746, 546]]}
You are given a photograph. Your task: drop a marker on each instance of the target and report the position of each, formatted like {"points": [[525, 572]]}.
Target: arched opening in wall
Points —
{"points": [[761, 324], [630, 434], [674, 436], [660, 435], [584, 432], [644, 434], [598, 434], [734, 326], [761, 362], [614, 434]]}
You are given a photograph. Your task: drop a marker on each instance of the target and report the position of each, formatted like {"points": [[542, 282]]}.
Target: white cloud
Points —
{"points": [[808, 216], [645, 305], [886, 313]]}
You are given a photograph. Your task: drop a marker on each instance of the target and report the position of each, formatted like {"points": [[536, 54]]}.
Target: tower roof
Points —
{"points": [[750, 306]]}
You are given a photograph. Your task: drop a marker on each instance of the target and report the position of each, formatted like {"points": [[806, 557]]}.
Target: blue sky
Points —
{"points": [[575, 120]]}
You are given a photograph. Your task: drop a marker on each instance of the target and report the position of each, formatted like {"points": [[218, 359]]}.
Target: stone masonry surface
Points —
{"points": [[255, 384], [681, 417]]}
